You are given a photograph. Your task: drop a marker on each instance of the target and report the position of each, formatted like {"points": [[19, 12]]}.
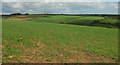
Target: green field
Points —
{"points": [[46, 40]]}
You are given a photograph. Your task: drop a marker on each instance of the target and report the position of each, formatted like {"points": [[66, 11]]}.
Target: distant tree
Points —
{"points": [[16, 14], [100, 15], [2, 14], [26, 13]]}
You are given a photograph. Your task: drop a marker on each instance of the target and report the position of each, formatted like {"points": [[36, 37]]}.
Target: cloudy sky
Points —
{"points": [[60, 0], [60, 6]]}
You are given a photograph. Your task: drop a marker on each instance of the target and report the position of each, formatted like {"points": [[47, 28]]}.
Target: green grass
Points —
{"points": [[57, 39], [68, 19], [79, 20], [111, 21], [55, 18], [87, 20]]}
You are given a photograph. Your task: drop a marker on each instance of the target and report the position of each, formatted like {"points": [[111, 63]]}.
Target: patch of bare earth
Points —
{"points": [[3, 45], [34, 54], [5, 41], [78, 56], [25, 18], [82, 57]]}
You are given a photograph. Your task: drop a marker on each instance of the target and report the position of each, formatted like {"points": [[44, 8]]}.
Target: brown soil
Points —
{"points": [[25, 17], [20, 18], [35, 55]]}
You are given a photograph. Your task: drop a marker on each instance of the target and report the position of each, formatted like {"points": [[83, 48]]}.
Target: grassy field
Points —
{"points": [[46, 41], [109, 21], [67, 19]]}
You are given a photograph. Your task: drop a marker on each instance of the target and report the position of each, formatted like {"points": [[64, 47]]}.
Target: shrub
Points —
{"points": [[105, 17], [95, 21], [63, 22], [118, 23]]}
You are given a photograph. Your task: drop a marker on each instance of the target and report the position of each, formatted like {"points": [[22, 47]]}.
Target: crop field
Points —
{"points": [[58, 39]]}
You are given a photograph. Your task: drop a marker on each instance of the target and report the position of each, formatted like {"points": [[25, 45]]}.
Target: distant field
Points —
{"points": [[65, 18], [109, 21], [99, 21], [46, 41]]}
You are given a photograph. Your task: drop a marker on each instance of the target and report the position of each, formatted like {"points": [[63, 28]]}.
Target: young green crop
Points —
{"points": [[60, 41]]}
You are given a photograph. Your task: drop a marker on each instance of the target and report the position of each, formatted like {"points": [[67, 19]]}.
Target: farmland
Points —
{"points": [[59, 38]]}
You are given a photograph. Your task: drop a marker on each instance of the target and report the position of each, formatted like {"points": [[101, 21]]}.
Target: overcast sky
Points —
{"points": [[60, 0], [60, 6]]}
